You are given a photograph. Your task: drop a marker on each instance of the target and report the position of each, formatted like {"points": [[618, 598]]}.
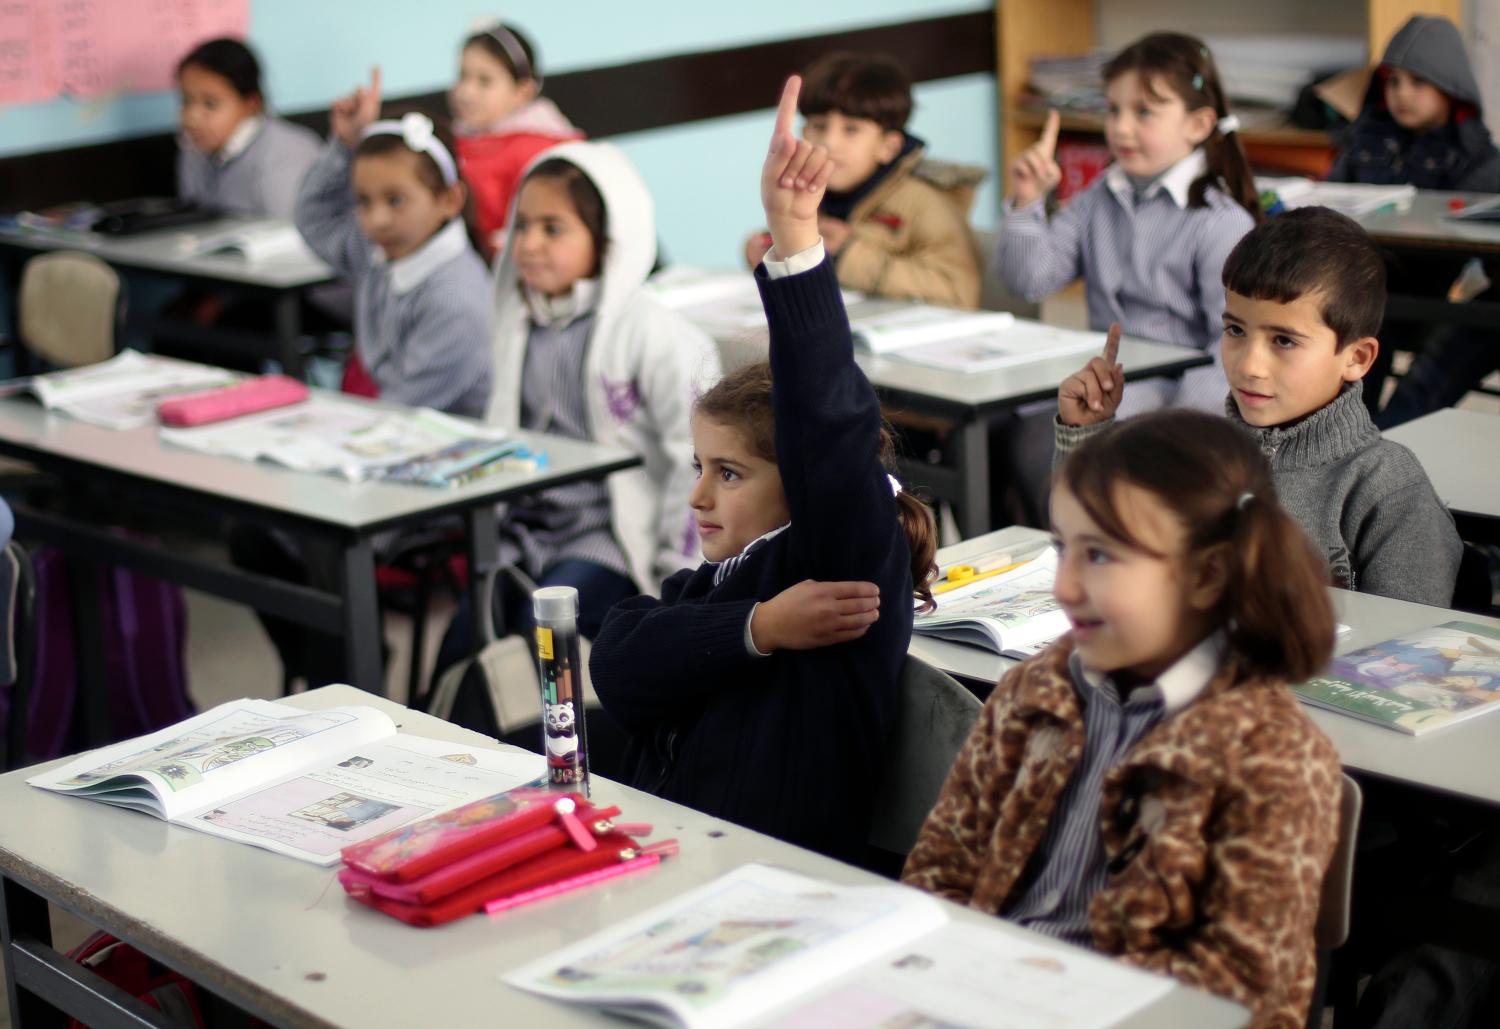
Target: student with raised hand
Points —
{"points": [[1149, 237], [1305, 297], [501, 122], [762, 686], [384, 206], [232, 155], [1148, 786]]}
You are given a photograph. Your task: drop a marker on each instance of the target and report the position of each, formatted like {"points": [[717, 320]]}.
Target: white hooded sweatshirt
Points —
{"points": [[646, 367]]}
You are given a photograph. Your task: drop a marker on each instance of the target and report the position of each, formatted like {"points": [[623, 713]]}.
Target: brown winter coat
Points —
{"points": [[909, 240], [1224, 818]]}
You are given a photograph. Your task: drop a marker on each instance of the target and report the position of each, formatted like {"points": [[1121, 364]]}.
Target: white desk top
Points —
{"points": [[1035, 380], [1426, 221], [1463, 760], [281, 932], [1457, 449], [28, 430], [165, 250]]}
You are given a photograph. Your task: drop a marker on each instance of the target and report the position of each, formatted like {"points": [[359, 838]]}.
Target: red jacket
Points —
{"points": [[492, 166]]}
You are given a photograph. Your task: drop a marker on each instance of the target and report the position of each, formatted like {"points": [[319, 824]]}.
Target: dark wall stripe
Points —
{"points": [[602, 101]]}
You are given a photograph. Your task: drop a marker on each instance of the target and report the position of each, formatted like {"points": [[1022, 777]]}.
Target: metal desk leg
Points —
{"points": [[287, 310], [23, 916], [362, 631], [88, 641], [484, 554], [972, 461]]}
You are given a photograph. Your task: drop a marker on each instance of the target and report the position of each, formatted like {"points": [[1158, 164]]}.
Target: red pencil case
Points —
{"points": [[217, 405], [452, 864]]}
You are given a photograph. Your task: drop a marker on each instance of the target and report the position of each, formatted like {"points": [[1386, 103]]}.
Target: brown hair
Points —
{"points": [[871, 86], [1313, 250], [742, 400], [587, 201], [1184, 64], [1213, 477]]}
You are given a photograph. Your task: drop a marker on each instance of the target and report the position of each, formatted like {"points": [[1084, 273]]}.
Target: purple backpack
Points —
{"points": [[145, 637]]}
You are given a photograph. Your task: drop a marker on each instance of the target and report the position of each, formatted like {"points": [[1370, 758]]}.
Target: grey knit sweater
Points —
{"points": [[1364, 501]]}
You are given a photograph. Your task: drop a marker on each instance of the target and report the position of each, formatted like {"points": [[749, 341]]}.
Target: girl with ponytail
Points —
{"points": [[762, 686], [1149, 786], [1149, 236]]}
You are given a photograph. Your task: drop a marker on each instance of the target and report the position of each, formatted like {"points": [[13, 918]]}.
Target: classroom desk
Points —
{"points": [[1462, 761], [1457, 450], [278, 938], [324, 510], [277, 283], [1422, 229], [972, 402]]}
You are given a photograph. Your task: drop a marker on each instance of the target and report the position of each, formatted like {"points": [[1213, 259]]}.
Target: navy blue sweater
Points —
{"points": [[792, 744]]}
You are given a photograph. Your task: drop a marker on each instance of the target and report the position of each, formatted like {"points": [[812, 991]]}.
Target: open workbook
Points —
{"points": [[122, 392], [764, 945], [357, 440], [302, 783], [1424, 680], [1013, 613]]}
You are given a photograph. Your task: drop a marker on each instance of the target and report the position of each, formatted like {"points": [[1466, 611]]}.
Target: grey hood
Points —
{"points": [[1433, 49]]}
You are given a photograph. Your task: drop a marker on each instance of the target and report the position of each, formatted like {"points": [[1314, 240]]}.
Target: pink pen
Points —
{"points": [[634, 864]]}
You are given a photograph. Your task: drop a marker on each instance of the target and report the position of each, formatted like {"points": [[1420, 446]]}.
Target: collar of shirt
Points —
{"points": [[409, 272], [723, 569], [243, 135], [1175, 688], [566, 309], [1175, 181]]}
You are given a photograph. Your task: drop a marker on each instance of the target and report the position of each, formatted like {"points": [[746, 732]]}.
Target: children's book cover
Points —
{"points": [[1415, 683]]}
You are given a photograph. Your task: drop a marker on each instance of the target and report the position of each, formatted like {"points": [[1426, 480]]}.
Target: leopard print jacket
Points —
{"points": [[1219, 826]]}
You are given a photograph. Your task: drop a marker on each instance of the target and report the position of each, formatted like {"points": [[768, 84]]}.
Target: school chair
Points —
{"points": [[1337, 980], [70, 309], [934, 715], [994, 295], [21, 619]]}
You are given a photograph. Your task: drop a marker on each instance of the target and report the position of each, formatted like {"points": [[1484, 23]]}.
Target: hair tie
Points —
{"points": [[417, 132], [895, 484], [513, 49], [1244, 500], [1229, 123], [1198, 83]]}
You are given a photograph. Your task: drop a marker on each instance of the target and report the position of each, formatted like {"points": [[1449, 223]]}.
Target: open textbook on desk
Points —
{"points": [[1013, 613], [302, 783], [764, 945]]}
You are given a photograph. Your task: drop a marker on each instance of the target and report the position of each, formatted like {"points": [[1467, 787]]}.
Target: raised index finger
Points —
{"points": [[786, 112], [1112, 345], [375, 79], [1049, 132]]}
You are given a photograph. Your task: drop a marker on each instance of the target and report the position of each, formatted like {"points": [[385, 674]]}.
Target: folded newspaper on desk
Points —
{"points": [[356, 440], [766, 946], [122, 393], [1013, 613]]}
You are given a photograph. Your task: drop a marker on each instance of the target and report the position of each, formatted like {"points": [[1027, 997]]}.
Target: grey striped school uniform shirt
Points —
{"points": [[1069, 866], [570, 522], [421, 322], [1149, 262], [257, 172]]}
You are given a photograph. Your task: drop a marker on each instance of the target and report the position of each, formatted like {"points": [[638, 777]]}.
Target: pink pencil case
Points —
{"points": [[217, 405]]}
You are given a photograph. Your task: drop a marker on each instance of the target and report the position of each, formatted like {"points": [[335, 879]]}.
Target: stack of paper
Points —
{"points": [[1351, 198]]}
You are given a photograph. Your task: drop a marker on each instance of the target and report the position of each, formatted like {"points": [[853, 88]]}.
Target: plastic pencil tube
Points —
{"points": [[572, 883]]}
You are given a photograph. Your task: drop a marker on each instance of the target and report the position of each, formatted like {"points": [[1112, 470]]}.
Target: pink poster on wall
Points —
{"points": [[90, 48]]}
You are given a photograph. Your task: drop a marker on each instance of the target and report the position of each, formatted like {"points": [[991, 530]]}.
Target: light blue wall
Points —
{"points": [[314, 50]]}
